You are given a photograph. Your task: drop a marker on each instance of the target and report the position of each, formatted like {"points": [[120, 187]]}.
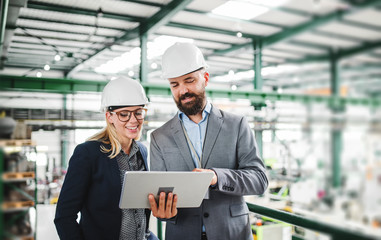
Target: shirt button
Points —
{"points": [[138, 225], [206, 214]]}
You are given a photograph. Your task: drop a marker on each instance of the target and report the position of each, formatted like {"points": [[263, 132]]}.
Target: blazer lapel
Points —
{"points": [[181, 142], [213, 129]]}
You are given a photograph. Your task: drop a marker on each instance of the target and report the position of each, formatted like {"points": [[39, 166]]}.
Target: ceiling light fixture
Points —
{"points": [[57, 57], [154, 65], [239, 34], [46, 67], [39, 74]]}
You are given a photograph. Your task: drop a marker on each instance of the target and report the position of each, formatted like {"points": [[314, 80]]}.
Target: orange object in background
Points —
{"points": [[327, 91]]}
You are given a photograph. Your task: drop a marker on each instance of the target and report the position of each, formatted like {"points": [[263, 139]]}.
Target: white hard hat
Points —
{"points": [[181, 59], [121, 92]]}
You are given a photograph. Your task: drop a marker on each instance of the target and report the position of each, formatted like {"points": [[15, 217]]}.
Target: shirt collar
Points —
{"points": [[134, 149], [205, 112]]}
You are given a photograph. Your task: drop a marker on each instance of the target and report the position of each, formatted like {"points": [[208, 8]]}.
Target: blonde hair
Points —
{"points": [[109, 136]]}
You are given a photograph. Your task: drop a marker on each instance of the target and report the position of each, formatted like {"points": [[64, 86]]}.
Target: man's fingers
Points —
{"points": [[161, 211], [168, 208], [174, 204], [152, 202]]}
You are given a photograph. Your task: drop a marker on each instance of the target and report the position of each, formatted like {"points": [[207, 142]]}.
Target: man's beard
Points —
{"points": [[194, 107]]}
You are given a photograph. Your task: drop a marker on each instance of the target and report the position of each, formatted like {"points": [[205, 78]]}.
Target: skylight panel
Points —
{"points": [[240, 9]]}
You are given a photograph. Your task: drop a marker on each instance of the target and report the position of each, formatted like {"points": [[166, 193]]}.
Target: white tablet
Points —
{"points": [[190, 187]]}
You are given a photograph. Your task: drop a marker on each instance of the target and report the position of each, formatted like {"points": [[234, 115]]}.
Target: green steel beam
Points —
{"points": [[291, 32], [336, 149], [62, 21], [366, 47], [147, 25], [210, 30], [316, 22], [258, 81], [365, 78], [2, 164], [236, 20], [54, 85], [163, 16], [82, 11], [345, 53], [339, 36], [41, 28], [361, 25], [336, 232], [64, 135], [309, 73], [232, 48], [336, 134], [309, 45], [334, 74], [258, 84], [3, 22], [27, 66], [143, 70], [20, 41]]}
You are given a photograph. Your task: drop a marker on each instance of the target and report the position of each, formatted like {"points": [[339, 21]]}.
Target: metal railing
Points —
{"points": [[336, 233]]}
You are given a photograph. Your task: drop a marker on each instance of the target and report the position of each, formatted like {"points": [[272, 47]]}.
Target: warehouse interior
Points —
{"points": [[305, 73]]}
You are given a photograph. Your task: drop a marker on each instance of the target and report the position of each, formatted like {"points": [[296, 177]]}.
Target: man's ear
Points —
{"points": [[206, 77]]}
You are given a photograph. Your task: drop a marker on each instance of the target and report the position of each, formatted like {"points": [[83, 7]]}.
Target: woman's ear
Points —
{"points": [[109, 118]]}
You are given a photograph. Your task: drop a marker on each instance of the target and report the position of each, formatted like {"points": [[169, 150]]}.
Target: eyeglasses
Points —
{"points": [[125, 115]]}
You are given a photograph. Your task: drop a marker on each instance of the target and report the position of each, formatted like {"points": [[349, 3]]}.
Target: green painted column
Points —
{"points": [[336, 132], [258, 83], [1, 193], [64, 136], [159, 229], [3, 22], [143, 71]]}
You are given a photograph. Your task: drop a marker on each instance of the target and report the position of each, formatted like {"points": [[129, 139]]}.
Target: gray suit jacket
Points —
{"points": [[230, 150]]}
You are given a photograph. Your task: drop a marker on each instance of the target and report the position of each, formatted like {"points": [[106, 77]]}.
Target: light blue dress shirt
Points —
{"points": [[196, 131]]}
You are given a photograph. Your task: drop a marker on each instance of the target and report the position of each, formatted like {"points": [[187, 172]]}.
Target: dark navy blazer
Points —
{"points": [[92, 186]]}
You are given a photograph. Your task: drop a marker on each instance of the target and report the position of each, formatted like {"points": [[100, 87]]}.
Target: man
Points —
{"points": [[203, 138]]}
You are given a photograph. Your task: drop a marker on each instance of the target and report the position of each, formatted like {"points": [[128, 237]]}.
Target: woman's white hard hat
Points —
{"points": [[121, 92], [181, 59]]}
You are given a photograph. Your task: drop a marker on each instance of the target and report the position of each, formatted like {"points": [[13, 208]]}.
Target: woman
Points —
{"points": [[94, 178]]}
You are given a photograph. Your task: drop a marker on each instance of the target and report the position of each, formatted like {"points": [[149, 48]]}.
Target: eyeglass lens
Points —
{"points": [[125, 115]]}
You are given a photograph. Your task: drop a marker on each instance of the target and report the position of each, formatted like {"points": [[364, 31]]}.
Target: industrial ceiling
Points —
{"points": [[295, 44]]}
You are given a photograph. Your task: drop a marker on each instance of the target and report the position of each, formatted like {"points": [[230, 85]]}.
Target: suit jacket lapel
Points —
{"points": [[178, 135], [213, 129]]}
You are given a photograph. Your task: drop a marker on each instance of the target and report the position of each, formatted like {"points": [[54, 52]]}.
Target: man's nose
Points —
{"points": [[183, 90]]}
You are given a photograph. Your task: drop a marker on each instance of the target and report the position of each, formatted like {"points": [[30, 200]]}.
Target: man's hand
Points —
{"points": [[214, 179], [166, 209]]}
